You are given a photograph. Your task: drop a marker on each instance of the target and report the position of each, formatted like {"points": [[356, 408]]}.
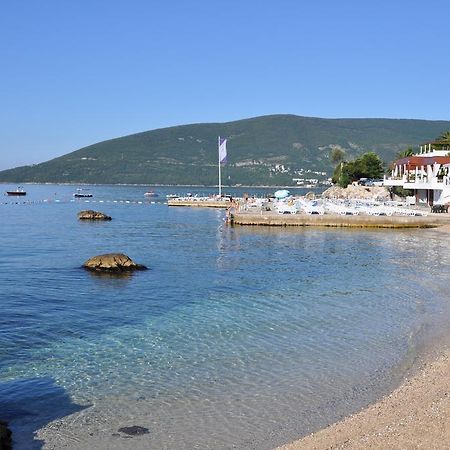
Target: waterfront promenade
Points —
{"points": [[271, 218]]}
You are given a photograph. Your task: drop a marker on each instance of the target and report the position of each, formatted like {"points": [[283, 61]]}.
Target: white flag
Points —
{"points": [[222, 150]]}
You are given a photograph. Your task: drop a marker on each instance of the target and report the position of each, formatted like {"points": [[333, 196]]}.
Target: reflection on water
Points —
{"points": [[119, 277], [238, 336]]}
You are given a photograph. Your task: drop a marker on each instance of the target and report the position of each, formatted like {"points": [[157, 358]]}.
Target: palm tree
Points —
{"points": [[405, 153], [445, 137], [443, 141]]}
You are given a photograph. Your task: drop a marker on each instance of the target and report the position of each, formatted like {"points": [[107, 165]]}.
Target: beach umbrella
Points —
{"points": [[282, 193]]}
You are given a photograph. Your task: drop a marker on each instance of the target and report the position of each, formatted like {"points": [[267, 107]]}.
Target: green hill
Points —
{"points": [[262, 150]]}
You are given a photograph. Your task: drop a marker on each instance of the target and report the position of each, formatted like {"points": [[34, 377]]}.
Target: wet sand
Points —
{"points": [[416, 415]]}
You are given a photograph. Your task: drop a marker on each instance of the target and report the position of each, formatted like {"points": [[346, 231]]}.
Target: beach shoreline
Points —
{"points": [[218, 417], [415, 415]]}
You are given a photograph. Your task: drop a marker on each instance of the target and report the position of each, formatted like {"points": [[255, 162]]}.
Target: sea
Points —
{"points": [[235, 338]]}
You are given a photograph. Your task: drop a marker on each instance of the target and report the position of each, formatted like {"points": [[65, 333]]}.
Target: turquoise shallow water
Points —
{"points": [[236, 337]]}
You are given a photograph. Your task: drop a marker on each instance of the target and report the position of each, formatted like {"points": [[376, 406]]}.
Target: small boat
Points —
{"points": [[169, 196], [80, 194], [151, 194], [18, 191]]}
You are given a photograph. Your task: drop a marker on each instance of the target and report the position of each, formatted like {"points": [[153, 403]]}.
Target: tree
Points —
{"points": [[337, 155], [372, 165], [368, 165], [405, 153], [445, 137], [337, 175], [401, 192]]}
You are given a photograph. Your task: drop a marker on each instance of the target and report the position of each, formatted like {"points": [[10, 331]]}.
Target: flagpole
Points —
{"points": [[220, 179]]}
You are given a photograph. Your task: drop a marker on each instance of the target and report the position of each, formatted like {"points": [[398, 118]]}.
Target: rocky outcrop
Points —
{"points": [[92, 215], [112, 263], [5, 436], [376, 193]]}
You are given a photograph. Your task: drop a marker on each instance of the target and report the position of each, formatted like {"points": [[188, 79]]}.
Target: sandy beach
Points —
{"points": [[416, 415]]}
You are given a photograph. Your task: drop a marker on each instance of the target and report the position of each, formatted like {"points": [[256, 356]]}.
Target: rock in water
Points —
{"points": [[5, 436], [92, 215], [113, 263], [134, 430]]}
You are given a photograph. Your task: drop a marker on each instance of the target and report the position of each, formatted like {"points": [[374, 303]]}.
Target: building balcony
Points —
{"points": [[433, 183], [393, 181], [420, 182]]}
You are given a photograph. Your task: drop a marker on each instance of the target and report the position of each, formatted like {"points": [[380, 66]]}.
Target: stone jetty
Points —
{"points": [[270, 218], [200, 202]]}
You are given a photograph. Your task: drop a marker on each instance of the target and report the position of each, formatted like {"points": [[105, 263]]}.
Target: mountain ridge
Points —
{"points": [[269, 150]]}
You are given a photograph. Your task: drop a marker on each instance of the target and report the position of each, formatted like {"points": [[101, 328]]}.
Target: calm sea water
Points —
{"points": [[236, 338]]}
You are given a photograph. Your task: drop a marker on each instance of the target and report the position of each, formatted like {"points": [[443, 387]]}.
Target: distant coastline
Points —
{"points": [[273, 186]]}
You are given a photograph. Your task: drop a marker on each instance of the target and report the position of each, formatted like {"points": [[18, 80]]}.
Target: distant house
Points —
{"points": [[426, 173]]}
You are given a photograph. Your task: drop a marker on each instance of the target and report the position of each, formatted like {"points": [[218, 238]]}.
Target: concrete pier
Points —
{"points": [[334, 220], [199, 203]]}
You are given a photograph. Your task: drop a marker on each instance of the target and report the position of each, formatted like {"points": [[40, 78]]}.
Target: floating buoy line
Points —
{"points": [[49, 201]]}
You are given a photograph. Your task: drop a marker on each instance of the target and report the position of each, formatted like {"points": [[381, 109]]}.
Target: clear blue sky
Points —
{"points": [[73, 73]]}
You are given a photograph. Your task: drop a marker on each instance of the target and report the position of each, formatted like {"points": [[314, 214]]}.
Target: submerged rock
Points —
{"points": [[112, 263], [92, 215], [5, 436], [134, 430]]}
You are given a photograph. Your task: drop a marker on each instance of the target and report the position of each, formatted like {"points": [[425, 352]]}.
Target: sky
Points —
{"points": [[73, 73]]}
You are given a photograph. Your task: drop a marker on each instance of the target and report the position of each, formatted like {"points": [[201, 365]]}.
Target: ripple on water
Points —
{"points": [[236, 337]]}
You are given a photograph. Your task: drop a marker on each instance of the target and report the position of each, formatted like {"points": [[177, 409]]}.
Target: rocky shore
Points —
{"points": [[351, 192]]}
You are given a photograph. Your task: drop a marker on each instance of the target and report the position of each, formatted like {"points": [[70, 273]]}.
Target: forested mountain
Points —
{"points": [[266, 150]]}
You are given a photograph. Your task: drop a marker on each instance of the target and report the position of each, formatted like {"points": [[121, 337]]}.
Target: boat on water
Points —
{"points": [[151, 194], [19, 191], [81, 194], [169, 196]]}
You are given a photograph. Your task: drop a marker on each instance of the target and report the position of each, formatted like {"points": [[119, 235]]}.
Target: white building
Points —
{"points": [[426, 173]]}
